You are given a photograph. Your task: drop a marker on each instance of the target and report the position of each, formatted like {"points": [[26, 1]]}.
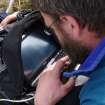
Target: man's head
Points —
{"points": [[78, 24]]}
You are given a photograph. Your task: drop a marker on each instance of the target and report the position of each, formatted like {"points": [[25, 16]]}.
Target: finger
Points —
{"points": [[60, 64], [68, 62], [70, 84], [1, 27]]}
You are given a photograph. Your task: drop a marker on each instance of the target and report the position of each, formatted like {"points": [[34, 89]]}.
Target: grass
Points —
{"points": [[18, 5]]}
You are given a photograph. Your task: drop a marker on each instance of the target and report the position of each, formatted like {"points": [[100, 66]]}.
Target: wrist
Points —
{"points": [[36, 102]]}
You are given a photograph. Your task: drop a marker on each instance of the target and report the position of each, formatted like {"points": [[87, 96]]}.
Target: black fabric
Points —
{"points": [[13, 78], [72, 98], [22, 14]]}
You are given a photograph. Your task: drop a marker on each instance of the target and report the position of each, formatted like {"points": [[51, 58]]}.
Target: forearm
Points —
{"points": [[13, 17], [9, 19]]}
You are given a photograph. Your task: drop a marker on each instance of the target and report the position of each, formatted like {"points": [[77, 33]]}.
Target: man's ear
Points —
{"points": [[70, 24]]}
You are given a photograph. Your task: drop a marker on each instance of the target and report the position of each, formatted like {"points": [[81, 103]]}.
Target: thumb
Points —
{"points": [[69, 85], [60, 64]]}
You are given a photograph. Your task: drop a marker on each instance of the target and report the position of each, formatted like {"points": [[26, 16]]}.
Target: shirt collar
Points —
{"points": [[91, 62]]}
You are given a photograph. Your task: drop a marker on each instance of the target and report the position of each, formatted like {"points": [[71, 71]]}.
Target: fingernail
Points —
{"points": [[1, 28], [74, 77], [65, 58]]}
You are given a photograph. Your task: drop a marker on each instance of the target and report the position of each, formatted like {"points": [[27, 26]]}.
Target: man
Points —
{"points": [[79, 26]]}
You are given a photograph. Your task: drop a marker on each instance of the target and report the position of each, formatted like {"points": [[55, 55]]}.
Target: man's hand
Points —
{"points": [[50, 89]]}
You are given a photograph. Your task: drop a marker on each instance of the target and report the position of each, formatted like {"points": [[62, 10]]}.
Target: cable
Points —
{"points": [[16, 101]]}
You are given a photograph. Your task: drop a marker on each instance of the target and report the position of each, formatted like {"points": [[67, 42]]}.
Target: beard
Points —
{"points": [[75, 50]]}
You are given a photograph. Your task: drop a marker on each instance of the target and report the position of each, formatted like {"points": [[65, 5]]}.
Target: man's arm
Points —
{"points": [[8, 19], [50, 89], [15, 16]]}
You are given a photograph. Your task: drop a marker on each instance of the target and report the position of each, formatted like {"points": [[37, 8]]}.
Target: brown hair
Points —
{"points": [[87, 12]]}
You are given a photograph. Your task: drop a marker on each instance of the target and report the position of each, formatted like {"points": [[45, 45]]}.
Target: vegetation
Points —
{"points": [[18, 5]]}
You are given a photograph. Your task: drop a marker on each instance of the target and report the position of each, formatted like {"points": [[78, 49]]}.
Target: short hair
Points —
{"points": [[89, 13]]}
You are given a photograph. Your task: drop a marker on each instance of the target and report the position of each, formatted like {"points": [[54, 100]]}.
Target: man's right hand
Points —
{"points": [[50, 89]]}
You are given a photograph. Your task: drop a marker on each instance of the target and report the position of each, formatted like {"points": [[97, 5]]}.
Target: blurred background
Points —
{"points": [[14, 5]]}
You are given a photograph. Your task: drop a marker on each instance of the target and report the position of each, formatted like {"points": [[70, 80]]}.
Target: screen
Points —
{"points": [[37, 49]]}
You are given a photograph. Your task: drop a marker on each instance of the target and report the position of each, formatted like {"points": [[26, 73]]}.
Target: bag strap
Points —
{"points": [[12, 58]]}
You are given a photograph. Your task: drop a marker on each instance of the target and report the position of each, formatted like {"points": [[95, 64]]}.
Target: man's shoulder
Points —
{"points": [[93, 92]]}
